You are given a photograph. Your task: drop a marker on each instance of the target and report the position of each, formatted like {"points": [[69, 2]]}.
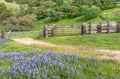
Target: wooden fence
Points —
{"points": [[5, 35], [81, 29]]}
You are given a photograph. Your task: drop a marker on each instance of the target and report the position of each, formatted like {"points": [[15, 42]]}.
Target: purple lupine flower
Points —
{"points": [[5, 78], [28, 75], [54, 77], [35, 74], [51, 75], [20, 70], [44, 76], [73, 72], [44, 69], [105, 77], [69, 59], [33, 65], [13, 73], [68, 75], [97, 76], [61, 65], [30, 71], [101, 77]]}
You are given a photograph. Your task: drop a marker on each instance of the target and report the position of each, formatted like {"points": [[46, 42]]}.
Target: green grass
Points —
{"points": [[113, 14], [34, 35], [105, 41], [15, 47]]}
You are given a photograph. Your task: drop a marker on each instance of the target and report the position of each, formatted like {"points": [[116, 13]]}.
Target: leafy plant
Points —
{"points": [[90, 13], [41, 12], [73, 11], [55, 15]]}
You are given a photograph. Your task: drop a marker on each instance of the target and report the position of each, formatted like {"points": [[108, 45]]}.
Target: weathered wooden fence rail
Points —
{"points": [[81, 29]]}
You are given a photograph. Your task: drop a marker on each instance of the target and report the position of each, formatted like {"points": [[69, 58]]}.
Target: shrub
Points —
{"points": [[41, 12], [22, 1], [16, 24], [30, 10], [106, 4], [90, 13], [4, 12], [2, 7], [73, 11], [55, 15]]}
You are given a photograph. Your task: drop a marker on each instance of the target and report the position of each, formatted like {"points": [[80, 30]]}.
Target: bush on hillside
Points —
{"points": [[22, 1], [55, 15], [106, 4], [4, 12], [73, 11], [30, 10], [89, 13], [2, 7], [16, 24], [41, 12], [32, 3]]}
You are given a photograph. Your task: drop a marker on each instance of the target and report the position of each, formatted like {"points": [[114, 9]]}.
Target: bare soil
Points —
{"points": [[110, 54], [30, 41]]}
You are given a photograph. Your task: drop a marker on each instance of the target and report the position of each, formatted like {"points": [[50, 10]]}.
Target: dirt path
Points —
{"points": [[110, 54], [30, 41], [107, 54]]}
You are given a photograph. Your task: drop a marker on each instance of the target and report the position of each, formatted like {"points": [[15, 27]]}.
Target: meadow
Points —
{"points": [[103, 40], [72, 57], [72, 61]]}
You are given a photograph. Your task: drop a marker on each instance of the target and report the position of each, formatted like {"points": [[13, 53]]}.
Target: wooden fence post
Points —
{"points": [[83, 29], [108, 27], [99, 28], [45, 32], [2, 34], [118, 27], [53, 31], [89, 27]]}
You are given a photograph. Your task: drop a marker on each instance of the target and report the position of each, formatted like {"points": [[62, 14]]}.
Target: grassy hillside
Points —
{"points": [[111, 14]]}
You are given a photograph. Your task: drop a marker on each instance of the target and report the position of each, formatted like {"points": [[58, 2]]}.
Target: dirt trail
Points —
{"points": [[30, 41], [107, 54], [110, 54]]}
